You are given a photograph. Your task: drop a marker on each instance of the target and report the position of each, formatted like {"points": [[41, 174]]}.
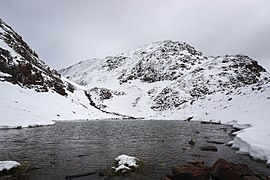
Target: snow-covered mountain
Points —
{"points": [[161, 80], [165, 76], [172, 80], [31, 92]]}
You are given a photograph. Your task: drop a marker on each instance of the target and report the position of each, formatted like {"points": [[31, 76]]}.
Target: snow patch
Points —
{"points": [[8, 165]]}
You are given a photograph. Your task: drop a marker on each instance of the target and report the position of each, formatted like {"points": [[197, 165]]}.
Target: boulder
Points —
{"points": [[223, 169], [191, 142]]}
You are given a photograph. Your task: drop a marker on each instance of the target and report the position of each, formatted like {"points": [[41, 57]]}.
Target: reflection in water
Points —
{"points": [[89, 146]]}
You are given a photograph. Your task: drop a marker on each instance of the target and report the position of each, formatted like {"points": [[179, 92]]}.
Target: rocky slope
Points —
{"points": [[164, 76], [23, 65], [172, 80], [31, 92]]}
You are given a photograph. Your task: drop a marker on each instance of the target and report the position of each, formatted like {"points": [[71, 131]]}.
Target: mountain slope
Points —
{"points": [[163, 76], [23, 64], [31, 92], [172, 80]]}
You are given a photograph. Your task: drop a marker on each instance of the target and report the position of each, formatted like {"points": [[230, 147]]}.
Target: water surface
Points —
{"points": [[89, 146]]}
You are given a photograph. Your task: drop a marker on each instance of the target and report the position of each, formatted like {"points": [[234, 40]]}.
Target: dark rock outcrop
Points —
{"points": [[23, 64]]}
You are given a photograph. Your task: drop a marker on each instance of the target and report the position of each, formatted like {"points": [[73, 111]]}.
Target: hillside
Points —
{"points": [[165, 76], [172, 80], [31, 92]]}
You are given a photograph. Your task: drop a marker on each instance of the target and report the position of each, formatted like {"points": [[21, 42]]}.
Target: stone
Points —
{"points": [[209, 148], [223, 169], [191, 142]]}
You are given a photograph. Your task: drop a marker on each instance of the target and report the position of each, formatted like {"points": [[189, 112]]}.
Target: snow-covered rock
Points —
{"points": [[125, 163], [7, 165]]}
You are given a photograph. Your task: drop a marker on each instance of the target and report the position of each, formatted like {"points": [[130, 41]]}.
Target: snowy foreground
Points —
{"points": [[7, 165], [24, 107]]}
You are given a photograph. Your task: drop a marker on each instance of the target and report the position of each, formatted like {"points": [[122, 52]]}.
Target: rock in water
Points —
{"points": [[191, 142], [209, 148], [126, 163], [223, 169]]}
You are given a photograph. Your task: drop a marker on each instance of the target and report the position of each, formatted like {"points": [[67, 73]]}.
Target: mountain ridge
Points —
{"points": [[188, 73]]}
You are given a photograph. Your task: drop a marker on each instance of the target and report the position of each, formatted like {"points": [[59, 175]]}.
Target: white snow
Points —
{"points": [[8, 165], [4, 75], [125, 162], [23, 107]]}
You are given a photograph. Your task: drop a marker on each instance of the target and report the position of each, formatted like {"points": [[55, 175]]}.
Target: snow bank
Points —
{"points": [[8, 165], [254, 142], [126, 163]]}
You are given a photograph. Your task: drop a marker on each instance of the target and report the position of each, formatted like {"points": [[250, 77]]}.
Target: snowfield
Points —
{"points": [[25, 107]]}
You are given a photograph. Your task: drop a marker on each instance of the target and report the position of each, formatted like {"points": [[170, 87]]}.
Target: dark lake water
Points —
{"points": [[89, 146]]}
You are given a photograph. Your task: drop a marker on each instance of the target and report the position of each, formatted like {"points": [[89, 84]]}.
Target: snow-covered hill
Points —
{"points": [[164, 76], [31, 92], [172, 80]]}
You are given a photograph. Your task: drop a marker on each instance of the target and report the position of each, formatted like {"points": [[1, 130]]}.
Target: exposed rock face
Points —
{"points": [[23, 64], [167, 61], [99, 95]]}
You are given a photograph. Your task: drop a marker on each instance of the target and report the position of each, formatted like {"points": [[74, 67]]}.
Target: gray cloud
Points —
{"points": [[64, 32]]}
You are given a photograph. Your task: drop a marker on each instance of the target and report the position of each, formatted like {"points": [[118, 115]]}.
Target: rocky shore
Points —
{"points": [[221, 170]]}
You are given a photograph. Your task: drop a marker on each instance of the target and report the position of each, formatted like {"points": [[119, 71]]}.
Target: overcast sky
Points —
{"points": [[64, 32]]}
